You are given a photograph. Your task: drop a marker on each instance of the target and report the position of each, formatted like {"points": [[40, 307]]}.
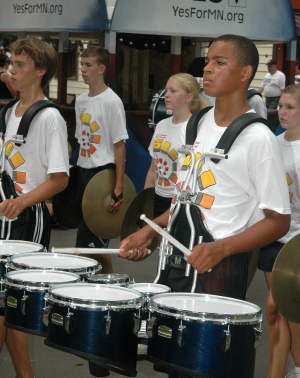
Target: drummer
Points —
{"points": [[182, 98], [43, 171], [101, 133], [247, 197]]}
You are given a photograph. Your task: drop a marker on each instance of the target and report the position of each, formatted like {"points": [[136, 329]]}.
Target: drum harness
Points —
{"points": [[7, 188], [185, 199]]}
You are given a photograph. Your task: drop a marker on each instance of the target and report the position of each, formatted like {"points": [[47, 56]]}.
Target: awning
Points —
{"points": [[53, 15], [207, 19]]}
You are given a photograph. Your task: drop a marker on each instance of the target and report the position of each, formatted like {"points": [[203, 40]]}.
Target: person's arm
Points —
{"points": [[206, 256], [57, 182], [151, 176], [120, 159], [5, 78]]}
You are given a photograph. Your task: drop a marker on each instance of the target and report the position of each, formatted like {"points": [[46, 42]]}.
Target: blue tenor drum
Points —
{"points": [[96, 322], [111, 279], [24, 297], [203, 335], [7, 249], [80, 265]]}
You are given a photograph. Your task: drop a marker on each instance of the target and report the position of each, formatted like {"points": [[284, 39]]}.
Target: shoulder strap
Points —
{"points": [[252, 92], [192, 125], [31, 112], [3, 112], [27, 116], [235, 128]]}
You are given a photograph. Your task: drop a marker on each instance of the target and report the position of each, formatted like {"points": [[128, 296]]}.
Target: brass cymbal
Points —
{"points": [[64, 204], [96, 200], [142, 204], [286, 280]]}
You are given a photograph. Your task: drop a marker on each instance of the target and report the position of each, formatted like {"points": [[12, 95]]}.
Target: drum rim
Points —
{"points": [[18, 284], [14, 265], [20, 242], [94, 304], [140, 284], [117, 278], [210, 317]]}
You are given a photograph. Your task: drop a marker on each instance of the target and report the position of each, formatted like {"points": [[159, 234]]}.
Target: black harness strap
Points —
{"points": [[231, 132], [27, 117]]}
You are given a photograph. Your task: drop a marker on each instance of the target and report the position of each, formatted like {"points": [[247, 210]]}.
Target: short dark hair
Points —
{"points": [[102, 55], [42, 53], [245, 51]]}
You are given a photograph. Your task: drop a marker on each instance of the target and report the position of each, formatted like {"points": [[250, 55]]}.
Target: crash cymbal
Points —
{"points": [[96, 201], [286, 280], [64, 205], [141, 204]]}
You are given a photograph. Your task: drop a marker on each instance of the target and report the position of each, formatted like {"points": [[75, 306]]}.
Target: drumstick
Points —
{"points": [[166, 235], [90, 251]]}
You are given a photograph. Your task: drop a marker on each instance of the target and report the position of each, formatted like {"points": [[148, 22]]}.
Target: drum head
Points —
{"points": [[51, 261], [150, 288], [13, 247], [211, 308], [94, 296], [38, 278]]}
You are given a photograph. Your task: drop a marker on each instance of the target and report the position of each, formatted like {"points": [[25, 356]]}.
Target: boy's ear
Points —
{"points": [[247, 72], [102, 68]]}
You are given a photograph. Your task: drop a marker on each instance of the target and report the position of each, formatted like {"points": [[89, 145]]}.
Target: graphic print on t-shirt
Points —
{"points": [[205, 179], [89, 139], [166, 166], [16, 160]]}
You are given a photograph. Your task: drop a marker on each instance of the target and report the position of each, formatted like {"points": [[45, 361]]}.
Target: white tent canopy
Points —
{"points": [[256, 19]]}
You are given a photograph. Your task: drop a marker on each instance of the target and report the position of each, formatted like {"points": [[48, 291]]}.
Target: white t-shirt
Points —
{"points": [[166, 140], [233, 193], [291, 159], [274, 84], [100, 123], [45, 150]]}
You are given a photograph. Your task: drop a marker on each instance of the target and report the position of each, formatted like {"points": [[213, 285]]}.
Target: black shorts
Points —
{"points": [[268, 255]]}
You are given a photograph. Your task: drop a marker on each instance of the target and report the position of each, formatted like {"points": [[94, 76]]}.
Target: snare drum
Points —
{"points": [[96, 322], [14, 247], [82, 266], [158, 110], [203, 335], [25, 290], [148, 290], [9, 248], [111, 279]]}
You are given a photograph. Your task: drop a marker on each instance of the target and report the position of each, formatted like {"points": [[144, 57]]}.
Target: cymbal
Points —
{"points": [[286, 280], [64, 204], [142, 204], [96, 200]]}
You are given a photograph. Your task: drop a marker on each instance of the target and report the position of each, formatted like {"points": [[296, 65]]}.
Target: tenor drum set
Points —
{"points": [[63, 297]]}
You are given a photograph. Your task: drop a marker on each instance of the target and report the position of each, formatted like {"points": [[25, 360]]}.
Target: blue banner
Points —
{"points": [[53, 15], [259, 20]]}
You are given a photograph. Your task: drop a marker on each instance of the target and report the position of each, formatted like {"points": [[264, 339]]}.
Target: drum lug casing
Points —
{"points": [[226, 339], [151, 324], [180, 334], [137, 320], [23, 303], [2, 296], [45, 315], [107, 323], [68, 322], [257, 336]]}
